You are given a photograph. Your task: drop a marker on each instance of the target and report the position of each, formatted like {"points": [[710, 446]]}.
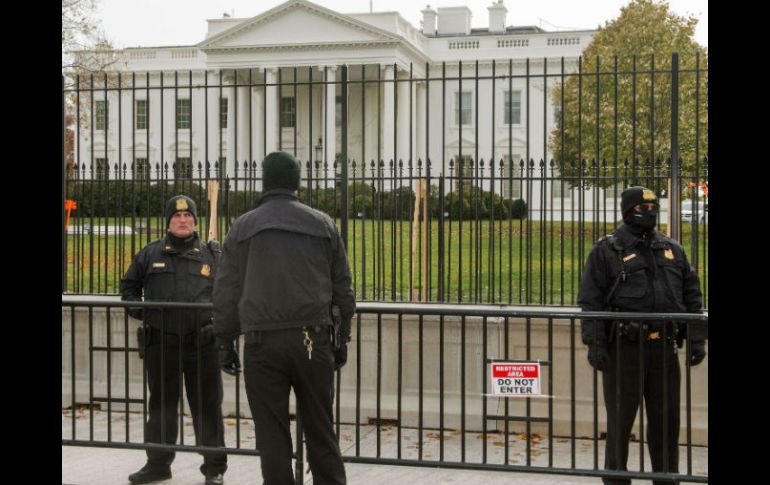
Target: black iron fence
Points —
{"points": [[476, 182], [417, 391]]}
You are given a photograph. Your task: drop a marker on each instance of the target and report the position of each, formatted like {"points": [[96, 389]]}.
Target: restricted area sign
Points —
{"points": [[515, 378]]}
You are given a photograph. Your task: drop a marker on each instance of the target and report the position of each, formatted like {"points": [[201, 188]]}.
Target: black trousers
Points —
{"points": [[163, 377], [645, 370], [273, 364]]}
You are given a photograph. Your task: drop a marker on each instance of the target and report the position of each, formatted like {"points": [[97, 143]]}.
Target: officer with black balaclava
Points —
{"points": [[638, 269], [283, 272], [178, 268]]}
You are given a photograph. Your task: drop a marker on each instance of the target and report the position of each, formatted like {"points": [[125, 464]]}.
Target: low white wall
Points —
{"points": [[388, 356]]}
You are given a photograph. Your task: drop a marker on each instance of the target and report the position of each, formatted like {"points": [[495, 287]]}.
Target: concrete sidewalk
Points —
{"points": [[105, 466]]}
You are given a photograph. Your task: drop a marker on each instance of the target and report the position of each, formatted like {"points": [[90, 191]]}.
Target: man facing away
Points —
{"points": [[282, 270]]}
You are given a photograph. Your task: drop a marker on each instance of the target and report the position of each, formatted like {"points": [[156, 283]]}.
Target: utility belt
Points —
{"points": [[255, 336], [631, 330], [148, 335]]}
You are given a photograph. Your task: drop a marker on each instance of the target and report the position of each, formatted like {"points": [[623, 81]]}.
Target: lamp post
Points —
{"points": [[319, 147]]}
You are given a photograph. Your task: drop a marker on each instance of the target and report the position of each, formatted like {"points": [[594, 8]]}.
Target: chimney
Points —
{"points": [[497, 17], [454, 21], [428, 21]]}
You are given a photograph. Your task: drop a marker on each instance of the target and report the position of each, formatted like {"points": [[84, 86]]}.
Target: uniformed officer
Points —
{"points": [[283, 268], [637, 269], [178, 268]]}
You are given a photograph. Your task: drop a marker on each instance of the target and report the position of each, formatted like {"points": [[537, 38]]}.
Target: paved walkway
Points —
{"points": [[107, 466]]}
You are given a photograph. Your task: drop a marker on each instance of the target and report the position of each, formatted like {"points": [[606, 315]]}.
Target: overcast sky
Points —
{"points": [[152, 23]]}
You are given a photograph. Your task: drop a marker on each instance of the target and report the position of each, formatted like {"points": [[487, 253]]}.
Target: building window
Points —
{"points": [[183, 114], [556, 187], [288, 112], [464, 171], [512, 107], [102, 169], [141, 169], [610, 192], [512, 176], [223, 112], [463, 108], [141, 114], [101, 115], [222, 167], [338, 110], [183, 168]]}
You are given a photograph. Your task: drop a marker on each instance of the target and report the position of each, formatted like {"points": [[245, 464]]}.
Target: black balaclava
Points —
{"points": [[639, 223]]}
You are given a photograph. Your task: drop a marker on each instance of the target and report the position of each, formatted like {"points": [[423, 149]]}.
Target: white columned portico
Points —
{"points": [[330, 128], [388, 129], [271, 108]]}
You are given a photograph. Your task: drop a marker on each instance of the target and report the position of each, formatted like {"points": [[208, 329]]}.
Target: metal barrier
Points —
{"points": [[415, 391]]}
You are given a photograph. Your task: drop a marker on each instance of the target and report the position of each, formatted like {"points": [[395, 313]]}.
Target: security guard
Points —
{"points": [[283, 269], [179, 268], [637, 269]]}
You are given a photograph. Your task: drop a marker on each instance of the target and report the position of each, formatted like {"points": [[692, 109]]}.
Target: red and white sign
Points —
{"points": [[515, 378]]}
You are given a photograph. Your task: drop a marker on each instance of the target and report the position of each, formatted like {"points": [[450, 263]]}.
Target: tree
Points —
{"points": [[87, 54], [641, 42], [84, 47]]}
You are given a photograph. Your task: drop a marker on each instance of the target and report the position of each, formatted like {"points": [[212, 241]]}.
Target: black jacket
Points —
{"points": [[669, 284], [159, 272], [283, 265]]}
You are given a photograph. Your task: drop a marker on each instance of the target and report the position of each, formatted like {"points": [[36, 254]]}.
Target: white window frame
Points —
{"points": [[183, 118], [141, 115], [459, 110], [508, 107]]}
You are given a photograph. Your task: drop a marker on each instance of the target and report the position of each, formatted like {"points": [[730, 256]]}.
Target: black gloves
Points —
{"points": [[340, 356], [599, 355], [228, 357], [137, 313], [697, 352]]}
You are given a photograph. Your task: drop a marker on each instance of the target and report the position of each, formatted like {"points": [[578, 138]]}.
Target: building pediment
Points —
{"points": [[297, 24]]}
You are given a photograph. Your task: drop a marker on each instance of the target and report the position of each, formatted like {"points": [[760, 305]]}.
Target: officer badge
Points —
{"points": [[181, 204], [668, 254], [205, 270], [646, 195]]}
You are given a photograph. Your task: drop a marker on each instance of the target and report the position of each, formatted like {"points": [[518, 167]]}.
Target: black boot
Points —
{"points": [[214, 479], [150, 473]]}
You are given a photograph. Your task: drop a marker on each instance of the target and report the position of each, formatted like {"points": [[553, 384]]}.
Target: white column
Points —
{"points": [[387, 114], [403, 122], [418, 115], [243, 122], [257, 124], [330, 138], [229, 93], [271, 108]]}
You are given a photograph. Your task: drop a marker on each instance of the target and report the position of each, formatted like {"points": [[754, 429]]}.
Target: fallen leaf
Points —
{"points": [[498, 443]]}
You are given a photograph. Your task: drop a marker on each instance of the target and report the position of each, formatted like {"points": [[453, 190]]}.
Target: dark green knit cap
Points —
{"points": [[280, 171]]}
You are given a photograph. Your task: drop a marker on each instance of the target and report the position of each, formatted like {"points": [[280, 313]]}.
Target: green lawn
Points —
{"points": [[518, 262]]}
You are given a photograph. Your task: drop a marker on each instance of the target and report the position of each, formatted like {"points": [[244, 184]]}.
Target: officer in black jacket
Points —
{"points": [[179, 268], [283, 267], [637, 269]]}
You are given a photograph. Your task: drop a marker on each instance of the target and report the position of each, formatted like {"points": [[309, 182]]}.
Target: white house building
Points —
{"points": [[429, 112]]}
